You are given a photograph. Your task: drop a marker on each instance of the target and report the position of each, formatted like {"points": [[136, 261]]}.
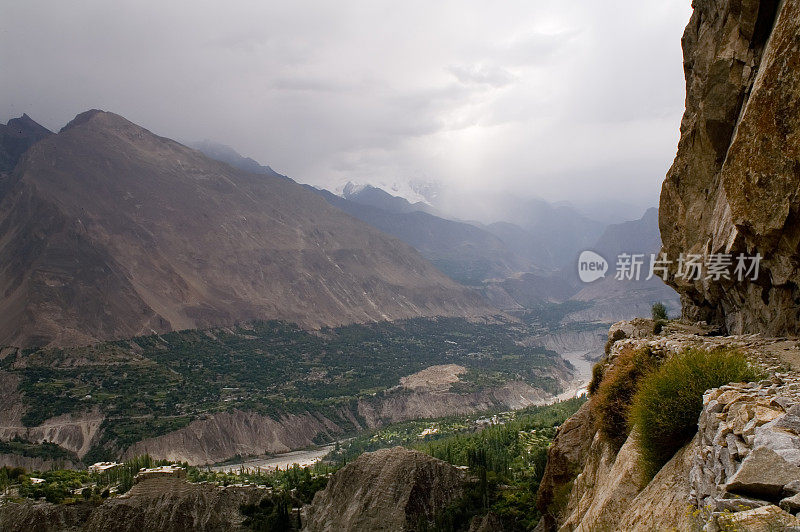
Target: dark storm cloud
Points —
{"points": [[540, 98]]}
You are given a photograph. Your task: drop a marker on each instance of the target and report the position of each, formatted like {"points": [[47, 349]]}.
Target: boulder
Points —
{"points": [[763, 473], [765, 519], [791, 504]]}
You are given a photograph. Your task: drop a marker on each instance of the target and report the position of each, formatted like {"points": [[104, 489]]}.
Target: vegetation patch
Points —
{"points": [[45, 450], [659, 313], [668, 402], [598, 370], [614, 395], [152, 385], [507, 460]]}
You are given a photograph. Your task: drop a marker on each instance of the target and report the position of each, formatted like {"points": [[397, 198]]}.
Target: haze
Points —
{"points": [[577, 101]]}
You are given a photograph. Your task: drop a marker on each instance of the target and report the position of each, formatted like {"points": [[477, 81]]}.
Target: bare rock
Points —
{"points": [[486, 523], [764, 519], [791, 504], [390, 489], [763, 473], [733, 187], [565, 459], [153, 504]]}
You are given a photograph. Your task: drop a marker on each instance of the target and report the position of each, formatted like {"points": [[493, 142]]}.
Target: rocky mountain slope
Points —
{"points": [[738, 471], [390, 489], [109, 231], [733, 188], [465, 252]]}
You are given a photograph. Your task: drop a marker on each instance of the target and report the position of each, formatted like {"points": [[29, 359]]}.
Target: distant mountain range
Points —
{"points": [[228, 155], [108, 231], [520, 264]]}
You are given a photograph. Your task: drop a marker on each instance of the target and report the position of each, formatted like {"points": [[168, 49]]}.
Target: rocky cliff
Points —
{"points": [[390, 489], [109, 231], [733, 188], [739, 470]]}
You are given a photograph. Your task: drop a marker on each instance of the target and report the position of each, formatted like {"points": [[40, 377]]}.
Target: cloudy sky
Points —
{"points": [[572, 99]]}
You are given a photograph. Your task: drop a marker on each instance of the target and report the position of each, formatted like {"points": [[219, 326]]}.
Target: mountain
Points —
{"points": [[636, 236], [463, 251], [529, 245], [108, 230], [379, 198], [619, 299], [552, 234], [228, 155], [16, 137], [466, 253]]}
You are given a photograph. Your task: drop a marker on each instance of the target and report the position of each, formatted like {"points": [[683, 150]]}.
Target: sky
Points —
{"points": [[574, 100]]}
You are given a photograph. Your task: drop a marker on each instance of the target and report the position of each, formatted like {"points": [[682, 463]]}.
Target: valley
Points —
{"points": [[266, 387]]}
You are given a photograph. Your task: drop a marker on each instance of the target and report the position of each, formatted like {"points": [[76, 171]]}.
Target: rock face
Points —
{"points": [[733, 187], [390, 489], [153, 504], [108, 231]]}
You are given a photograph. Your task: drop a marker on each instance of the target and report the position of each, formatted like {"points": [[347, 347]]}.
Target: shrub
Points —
{"points": [[669, 401], [619, 334], [597, 376], [615, 393], [658, 325], [659, 312]]}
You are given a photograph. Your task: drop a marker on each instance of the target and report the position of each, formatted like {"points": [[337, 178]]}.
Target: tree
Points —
{"points": [[659, 312]]}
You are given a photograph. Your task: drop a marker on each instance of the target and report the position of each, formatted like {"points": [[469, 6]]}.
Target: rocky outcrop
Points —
{"points": [[166, 504], [390, 489], [733, 188], [566, 458], [173, 504], [745, 455], [28, 515]]}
